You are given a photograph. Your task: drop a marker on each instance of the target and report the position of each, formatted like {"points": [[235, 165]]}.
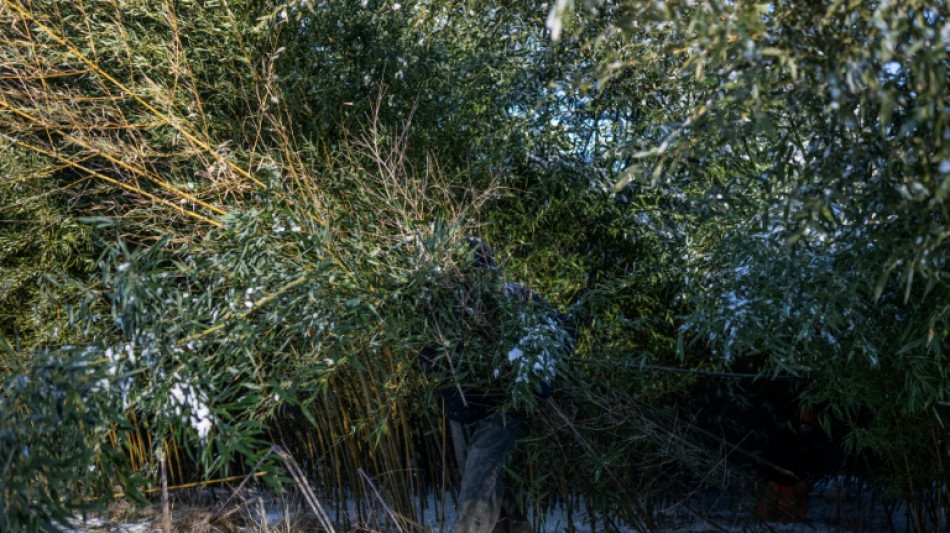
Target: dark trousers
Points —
{"points": [[482, 448]]}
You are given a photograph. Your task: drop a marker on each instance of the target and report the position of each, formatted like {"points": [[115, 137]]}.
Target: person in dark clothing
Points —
{"points": [[484, 432], [793, 459]]}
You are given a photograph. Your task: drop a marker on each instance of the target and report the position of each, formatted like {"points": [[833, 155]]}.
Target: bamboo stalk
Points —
{"points": [[304, 487], [220, 509], [379, 497], [62, 41], [178, 462], [40, 76], [194, 484], [118, 183], [153, 178], [41, 173], [42, 195], [166, 510], [260, 303]]}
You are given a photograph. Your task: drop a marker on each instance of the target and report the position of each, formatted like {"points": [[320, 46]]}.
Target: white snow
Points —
{"points": [[555, 20], [835, 508], [188, 400]]}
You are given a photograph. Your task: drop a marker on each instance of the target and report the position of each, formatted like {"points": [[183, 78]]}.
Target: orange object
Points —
{"points": [[785, 503]]}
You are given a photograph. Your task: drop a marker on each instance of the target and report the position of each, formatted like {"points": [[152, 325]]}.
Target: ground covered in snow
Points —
{"points": [[835, 508]]}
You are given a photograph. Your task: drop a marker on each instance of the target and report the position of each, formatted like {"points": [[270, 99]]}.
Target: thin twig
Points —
{"points": [[673, 370], [257, 305], [644, 518], [154, 178], [120, 494], [308, 494], [220, 509], [116, 182], [380, 498]]}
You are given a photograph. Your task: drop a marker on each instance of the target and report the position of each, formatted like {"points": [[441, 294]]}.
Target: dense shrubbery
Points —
{"points": [[221, 218]]}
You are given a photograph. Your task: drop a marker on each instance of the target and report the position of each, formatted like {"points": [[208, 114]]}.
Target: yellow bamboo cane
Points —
{"points": [[149, 176], [62, 41], [113, 181]]}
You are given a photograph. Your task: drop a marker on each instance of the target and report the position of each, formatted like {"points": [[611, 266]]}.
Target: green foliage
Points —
{"points": [[814, 138], [57, 415], [462, 76], [249, 215], [41, 251]]}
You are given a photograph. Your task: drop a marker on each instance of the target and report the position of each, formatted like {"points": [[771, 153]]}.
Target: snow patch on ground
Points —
{"points": [[835, 508]]}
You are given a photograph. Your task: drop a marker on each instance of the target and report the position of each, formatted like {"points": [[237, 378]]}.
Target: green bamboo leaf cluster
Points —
{"points": [[232, 224]]}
